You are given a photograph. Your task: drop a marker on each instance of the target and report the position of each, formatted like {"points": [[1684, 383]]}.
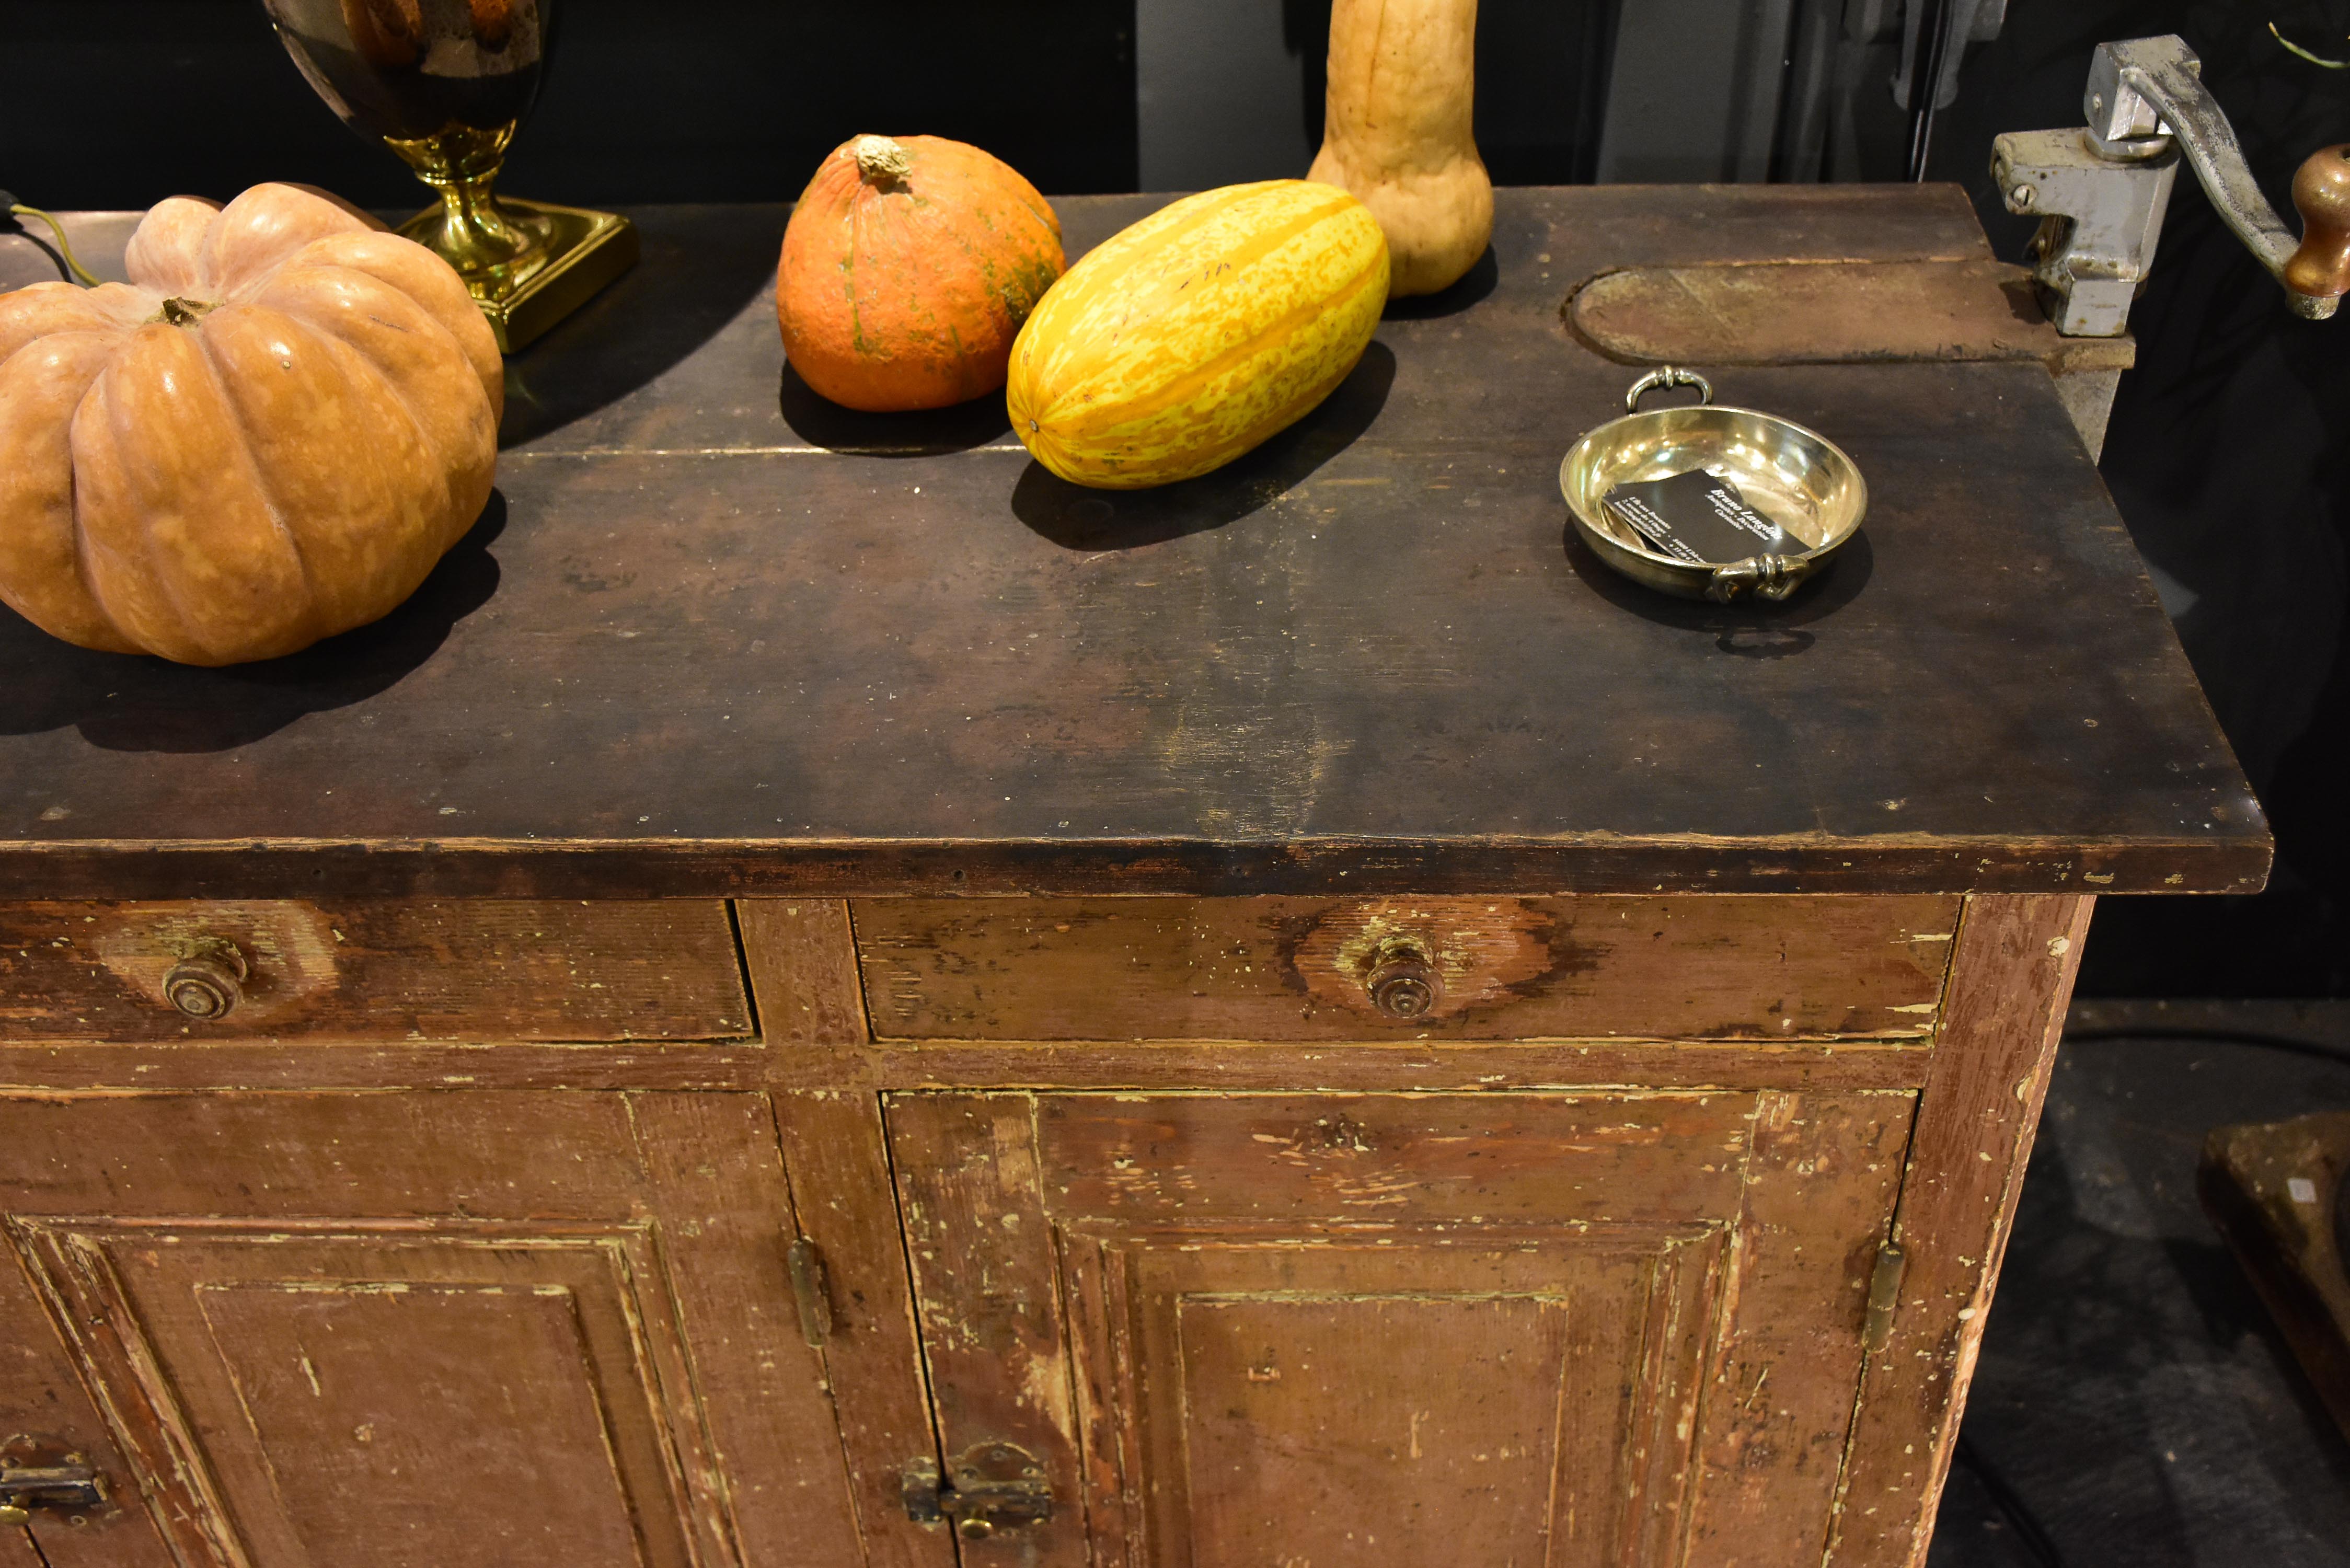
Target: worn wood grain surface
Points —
{"points": [[2010, 980], [837, 1150], [803, 967], [1391, 1399], [318, 1395], [972, 1201], [1305, 969], [724, 1209], [1831, 312], [1820, 1184], [1658, 1159], [322, 971], [1345, 1064], [42, 1396], [370, 1327], [714, 635], [1600, 1328]]}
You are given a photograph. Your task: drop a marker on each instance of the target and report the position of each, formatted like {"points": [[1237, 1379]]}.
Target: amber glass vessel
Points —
{"points": [[445, 84]]}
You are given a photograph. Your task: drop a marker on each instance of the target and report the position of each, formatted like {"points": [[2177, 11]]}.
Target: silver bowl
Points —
{"points": [[1796, 477]]}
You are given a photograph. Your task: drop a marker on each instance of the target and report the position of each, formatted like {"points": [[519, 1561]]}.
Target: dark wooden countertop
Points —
{"points": [[709, 640]]}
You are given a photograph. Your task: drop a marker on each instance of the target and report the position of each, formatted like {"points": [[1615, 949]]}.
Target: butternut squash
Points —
{"points": [[1187, 338], [1396, 133]]}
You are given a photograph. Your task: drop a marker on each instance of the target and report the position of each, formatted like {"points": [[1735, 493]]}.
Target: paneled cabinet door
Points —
{"points": [[465, 1329], [1540, 1330]]}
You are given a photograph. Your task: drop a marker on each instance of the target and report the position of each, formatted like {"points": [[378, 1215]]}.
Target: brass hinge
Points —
{"points": [[995, 1486], [809, 1289], [1883, 1296]]}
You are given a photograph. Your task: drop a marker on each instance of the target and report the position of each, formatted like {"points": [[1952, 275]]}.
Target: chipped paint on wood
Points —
{"points": [[1506, 1326], [1685, 968], [319, 1322], [378, 971], [2012, 974]]}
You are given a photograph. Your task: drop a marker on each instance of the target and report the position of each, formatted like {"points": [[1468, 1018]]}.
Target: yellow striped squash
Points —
{"points": [[1188, 338]]}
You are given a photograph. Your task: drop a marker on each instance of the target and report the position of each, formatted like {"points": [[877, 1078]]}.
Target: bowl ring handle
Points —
{"points": [[1772, 577], [1667, 376]]}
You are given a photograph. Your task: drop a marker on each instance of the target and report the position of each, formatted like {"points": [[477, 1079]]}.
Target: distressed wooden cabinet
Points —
{"points": [[418, 1327], [819, 998], [1414, 1327]]}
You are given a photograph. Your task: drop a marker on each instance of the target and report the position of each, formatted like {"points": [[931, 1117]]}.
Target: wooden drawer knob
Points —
{"points": [[1403, 981], [2320, 269], [209, 981]]}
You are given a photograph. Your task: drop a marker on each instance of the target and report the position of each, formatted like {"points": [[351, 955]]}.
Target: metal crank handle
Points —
{"points": [[2147, 89]]}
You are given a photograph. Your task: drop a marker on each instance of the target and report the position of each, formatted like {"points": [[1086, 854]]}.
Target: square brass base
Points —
{"points": [[588, 251]]}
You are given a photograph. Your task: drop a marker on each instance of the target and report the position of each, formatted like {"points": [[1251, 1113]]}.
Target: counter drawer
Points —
{"points": [[1713, 967], [396, 970]]}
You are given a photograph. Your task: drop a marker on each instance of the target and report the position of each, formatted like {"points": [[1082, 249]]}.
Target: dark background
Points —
{"points": [[2229, 447], [2230, 457]]}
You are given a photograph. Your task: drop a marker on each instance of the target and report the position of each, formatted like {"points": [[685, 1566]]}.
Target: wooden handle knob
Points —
{"points": [[1404, 983], [209, 981], [2321, 267]]}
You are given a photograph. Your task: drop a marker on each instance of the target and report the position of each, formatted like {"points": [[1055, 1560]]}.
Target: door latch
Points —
{"points": [[31, 1479], [993, 1486]]}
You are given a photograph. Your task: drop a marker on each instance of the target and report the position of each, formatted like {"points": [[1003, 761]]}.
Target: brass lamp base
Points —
{"points": [[582, 251]]}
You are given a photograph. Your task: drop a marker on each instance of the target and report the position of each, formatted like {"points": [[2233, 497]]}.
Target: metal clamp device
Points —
{"points": [[2100, 191]]}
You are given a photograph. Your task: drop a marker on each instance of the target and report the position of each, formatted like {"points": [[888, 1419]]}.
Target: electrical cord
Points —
{"points": [[2322, 1052], [75, 271], [2032, 1535]]}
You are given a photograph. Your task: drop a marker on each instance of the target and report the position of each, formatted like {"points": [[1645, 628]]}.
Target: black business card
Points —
{"points": [[1694, 516]]}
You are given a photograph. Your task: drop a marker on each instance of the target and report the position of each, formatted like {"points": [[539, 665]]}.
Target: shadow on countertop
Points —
{"points": [[917, 432], [699, 267], [135, 702], [1076, 518]]}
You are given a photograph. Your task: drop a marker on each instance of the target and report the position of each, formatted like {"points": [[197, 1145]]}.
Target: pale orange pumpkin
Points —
{"points": [[268, 436], [908, 269]]}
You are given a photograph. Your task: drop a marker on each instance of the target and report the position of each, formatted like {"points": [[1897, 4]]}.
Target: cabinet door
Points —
{"points": [[1238, 1330], [439, 1330]]}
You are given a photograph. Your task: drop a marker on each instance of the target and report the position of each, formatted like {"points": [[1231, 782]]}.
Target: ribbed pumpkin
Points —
{"points": [[1192, 337], [268, 436], [908, 267]]}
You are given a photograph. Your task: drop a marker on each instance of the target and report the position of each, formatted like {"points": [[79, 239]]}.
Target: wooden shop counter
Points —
{"points": [[822, 997]]}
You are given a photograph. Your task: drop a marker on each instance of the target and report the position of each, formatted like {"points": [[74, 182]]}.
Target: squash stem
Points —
{"points": [[81, 274], [882, 161]]}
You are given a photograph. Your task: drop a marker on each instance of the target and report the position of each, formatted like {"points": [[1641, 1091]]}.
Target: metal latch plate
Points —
{"points": [[32, 1476], [989, 1487]]}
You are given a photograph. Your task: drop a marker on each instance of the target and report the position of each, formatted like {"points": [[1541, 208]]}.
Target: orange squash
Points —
{"points": [[267, 436], [908, 269]]}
